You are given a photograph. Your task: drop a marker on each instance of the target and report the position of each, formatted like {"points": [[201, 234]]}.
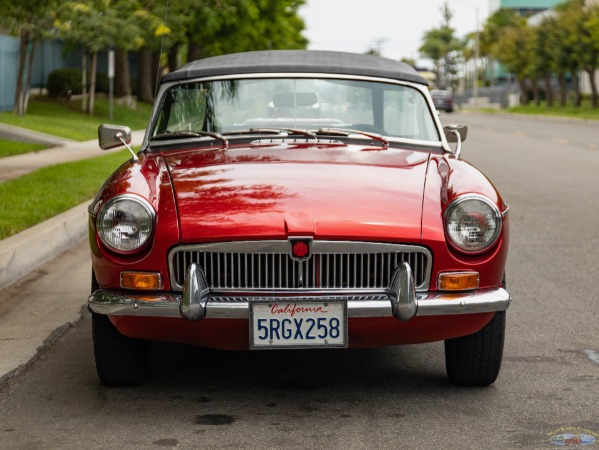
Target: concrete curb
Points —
{"points": [[26, 251]]}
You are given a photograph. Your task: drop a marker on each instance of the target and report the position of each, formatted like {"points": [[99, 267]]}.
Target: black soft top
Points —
{"points": [[296, 61]]}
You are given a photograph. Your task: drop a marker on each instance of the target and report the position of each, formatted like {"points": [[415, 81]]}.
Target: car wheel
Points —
{"points": [[120, 360], [475, 360]]}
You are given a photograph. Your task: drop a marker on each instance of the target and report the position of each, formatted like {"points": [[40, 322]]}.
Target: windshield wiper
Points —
{"points": [[290, 131], [187, 134], [348, 131]]}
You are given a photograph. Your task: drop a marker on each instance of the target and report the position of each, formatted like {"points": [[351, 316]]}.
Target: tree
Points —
{"points": [[577, 20], [570, 25], [29, 20], [233, 26], [98, 25], [215, 27], [544, 56], [442, 47], [512, 51], [496, 24], [592, 26]]}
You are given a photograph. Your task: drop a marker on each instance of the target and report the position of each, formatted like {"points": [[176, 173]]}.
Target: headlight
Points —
{"points": [[472, 223], [125, 223]]}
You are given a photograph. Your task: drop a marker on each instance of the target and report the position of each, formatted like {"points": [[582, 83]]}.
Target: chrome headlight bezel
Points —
{"points": [[476, 204], [144, 219]]}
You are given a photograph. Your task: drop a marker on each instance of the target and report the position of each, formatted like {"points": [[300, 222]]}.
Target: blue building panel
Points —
{"points": [[9, 63]]}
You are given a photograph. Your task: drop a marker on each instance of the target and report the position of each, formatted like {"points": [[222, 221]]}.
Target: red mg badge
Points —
{"points": [[300, 248]]}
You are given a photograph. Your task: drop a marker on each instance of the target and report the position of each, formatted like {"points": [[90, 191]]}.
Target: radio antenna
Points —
{"points": [[161, 47]]}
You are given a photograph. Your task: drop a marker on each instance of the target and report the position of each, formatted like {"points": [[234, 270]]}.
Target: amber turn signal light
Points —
{"points": [[141, 280], [458, 281]]}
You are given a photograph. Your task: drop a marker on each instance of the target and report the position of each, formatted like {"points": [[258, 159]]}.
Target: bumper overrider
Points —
{"points": [[197, 301]]}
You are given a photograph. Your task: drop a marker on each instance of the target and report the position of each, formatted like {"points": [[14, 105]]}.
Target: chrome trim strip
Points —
{"points": [[427, 304]]}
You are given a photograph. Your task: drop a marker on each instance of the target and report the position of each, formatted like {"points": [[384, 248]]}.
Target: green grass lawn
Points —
{"points": [[585, 111], [40, 195], [10, 148], [64, 118]]}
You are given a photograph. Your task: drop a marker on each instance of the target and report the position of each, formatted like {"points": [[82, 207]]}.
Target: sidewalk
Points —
{"points": [[65, 151], [24, 333]]}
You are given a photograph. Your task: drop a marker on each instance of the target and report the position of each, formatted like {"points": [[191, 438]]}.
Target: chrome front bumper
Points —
{"points": [[427, 304], [400, 301]]}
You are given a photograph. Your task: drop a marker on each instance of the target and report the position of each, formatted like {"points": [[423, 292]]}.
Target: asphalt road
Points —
{"points": [[383, 398]]}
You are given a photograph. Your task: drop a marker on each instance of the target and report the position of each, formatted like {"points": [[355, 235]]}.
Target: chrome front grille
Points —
{"points": [[267, 265]]}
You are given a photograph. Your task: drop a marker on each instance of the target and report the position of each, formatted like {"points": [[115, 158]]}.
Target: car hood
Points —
{"points": [[280, 190]]}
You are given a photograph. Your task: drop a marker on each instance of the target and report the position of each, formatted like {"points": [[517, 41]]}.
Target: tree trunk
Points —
{"points": [[18, 105], [535, 91], [84, 79], [524, 90], [591, 73], [576, 87], [194, 51], [92, 82], [173, 57], [122, 74], [31, 51], [563, 89], [145, 76], [548, 90]]}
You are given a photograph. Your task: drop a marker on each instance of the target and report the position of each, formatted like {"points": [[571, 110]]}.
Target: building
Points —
{"points": [[525, 8]]}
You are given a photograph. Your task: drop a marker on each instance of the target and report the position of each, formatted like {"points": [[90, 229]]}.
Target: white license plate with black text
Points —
{"points": [[283, 324]]}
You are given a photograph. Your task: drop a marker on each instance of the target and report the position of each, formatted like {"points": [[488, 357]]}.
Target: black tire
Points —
{"points": [[120, 360], [475, 360]]}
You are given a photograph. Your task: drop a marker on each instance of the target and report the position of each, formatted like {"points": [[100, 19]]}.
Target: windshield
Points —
{"points": [[229, 106]]}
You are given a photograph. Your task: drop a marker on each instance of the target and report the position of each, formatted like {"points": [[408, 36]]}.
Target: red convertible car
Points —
{"points": [[297, 200]]}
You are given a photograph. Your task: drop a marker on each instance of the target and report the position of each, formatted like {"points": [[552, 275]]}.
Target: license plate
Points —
{"points": [[281, 324]]}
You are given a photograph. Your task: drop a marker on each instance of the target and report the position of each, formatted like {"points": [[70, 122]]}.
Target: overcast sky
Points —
{"points": [[397, 26]]}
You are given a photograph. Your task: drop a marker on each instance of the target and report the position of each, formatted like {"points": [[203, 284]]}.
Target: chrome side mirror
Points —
{"points": [[451, 130], [112, 136]]}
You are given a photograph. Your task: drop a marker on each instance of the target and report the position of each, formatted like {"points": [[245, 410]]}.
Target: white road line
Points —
{"points": [[559, 140], [593, 355]]}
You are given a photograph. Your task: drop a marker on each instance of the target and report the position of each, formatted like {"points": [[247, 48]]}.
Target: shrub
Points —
{"points": [[67, 82], [64, 82]]}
